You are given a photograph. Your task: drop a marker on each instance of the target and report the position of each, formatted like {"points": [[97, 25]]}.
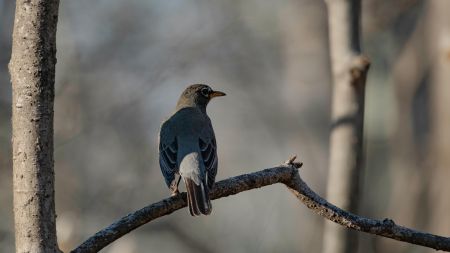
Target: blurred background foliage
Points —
{"points": [[122, 65]]}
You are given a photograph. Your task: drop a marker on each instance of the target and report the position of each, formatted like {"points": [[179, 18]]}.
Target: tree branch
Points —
{"points": [[286, 174], [386, 228]]}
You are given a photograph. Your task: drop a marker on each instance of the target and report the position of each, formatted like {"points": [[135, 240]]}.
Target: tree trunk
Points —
{"points": [[438, 36], [349, 76], [32, 70], [407, 166]]}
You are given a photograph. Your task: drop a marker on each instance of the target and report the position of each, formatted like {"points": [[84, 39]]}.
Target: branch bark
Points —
{"points": [[286, 174], [349, 69], [32, 70]]}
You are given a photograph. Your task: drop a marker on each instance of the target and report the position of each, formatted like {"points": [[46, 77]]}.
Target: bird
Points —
{"points": [[188, 149]]}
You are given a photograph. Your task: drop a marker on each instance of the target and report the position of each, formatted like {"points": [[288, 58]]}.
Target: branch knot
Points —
{"points": [[388, 223], [291, 162]]}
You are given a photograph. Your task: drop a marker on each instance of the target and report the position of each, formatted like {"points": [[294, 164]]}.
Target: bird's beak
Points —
{"points": [[216, 94]]}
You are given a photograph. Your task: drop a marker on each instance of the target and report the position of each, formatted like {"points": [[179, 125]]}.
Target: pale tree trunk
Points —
{"points": [[438, 44], [349, 76], [408, 169], [32, 70]]}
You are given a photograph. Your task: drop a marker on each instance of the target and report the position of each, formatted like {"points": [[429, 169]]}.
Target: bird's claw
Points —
{"points": [[174, 189], [175, 193]]}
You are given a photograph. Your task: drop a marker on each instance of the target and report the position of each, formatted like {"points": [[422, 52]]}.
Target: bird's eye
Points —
{"points": [[205, 92]]}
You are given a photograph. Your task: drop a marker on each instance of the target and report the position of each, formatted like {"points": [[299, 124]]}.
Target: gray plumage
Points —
{"points": [[187, 147]]}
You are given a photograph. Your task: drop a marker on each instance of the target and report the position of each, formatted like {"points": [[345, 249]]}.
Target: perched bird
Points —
{"points": [[188, 150]]}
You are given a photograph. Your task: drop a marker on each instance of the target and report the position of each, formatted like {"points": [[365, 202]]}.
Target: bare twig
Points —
{"points": [[231, 186], [286, 174], [386, 227]]}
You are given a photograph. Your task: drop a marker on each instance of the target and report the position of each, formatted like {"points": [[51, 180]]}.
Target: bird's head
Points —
{"points": [[198, 95]]}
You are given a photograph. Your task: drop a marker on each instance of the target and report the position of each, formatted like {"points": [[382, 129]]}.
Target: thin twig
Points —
{"points": [[286, 174]]}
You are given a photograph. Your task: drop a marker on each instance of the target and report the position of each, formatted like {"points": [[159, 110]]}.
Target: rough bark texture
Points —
{"points": [[286, 174], [32, 70], [349, 69]]}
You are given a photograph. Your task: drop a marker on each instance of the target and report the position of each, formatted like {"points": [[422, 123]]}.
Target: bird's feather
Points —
{"points": [[168, 160], [198, 199], [188, 147], [209, 155]]}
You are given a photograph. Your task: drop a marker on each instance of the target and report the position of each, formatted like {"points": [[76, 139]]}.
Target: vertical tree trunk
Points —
{"points": [[32, 70], [438, 40], [349, 78]]}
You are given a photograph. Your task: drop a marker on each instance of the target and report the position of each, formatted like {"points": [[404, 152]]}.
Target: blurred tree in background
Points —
{"points": [[121, 66]]}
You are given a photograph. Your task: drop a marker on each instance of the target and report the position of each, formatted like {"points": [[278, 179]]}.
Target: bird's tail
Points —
{"points": [[197, 197]]}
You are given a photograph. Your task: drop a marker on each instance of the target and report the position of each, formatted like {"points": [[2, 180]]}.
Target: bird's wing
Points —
{"points": [[208, 148], [168, 149]]}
